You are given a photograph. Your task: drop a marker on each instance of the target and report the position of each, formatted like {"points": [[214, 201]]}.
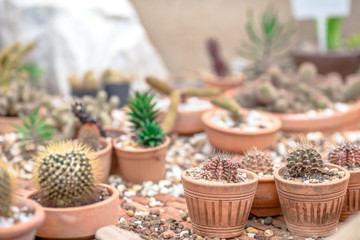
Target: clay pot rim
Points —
{"points": [[143, 150], [255, 178], [163, 111], [35, 222], [340, 53], [107, 148], [210, 77], [285, 181], [113, 195], [206, 119], [267, 179]]}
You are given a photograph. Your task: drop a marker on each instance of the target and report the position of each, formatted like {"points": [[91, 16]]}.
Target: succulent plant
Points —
{"points": [[88, 82], [7, 185], [221, 167], [237, 112], [66, 173], [257, 161], [346, 155], [352, 88], [34, 131], [89, 134], [170, 118], [218, 64], [110, 76], [142, 115], [304, 160]]}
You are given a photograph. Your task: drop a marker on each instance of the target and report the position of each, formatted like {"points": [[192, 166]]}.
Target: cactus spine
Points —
{"points": [[257, 161], [346, 155], [221, 167]]}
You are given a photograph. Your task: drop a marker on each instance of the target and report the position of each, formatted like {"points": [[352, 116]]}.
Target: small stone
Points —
{"points": [[313, 181], [297, 180], [155, 212], [251, 235], [184, 216], [252, 230], [291, 237], [341, 173], [130, 213], [257, 237], [306, 181], [334, 170], [268, 233], [168, 234], [247, 225], [188, 219], [184, 233], [268, 220]]}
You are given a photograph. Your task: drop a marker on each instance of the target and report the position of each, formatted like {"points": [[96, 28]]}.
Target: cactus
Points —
{"points": [[150, 134], [159, 85], [89, 134], [218, 64], [221, 167], [346, 155], [352, 88], [303, 161], [257, 161], [110, 77], [7, 185], [88, 81], [266, 93], [85, 117], [230, 105], [66, 174], [307, 72], [194, 92], [168, 124]]}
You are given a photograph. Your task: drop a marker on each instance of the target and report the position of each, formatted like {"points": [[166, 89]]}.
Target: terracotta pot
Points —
{"points": [[224, 83], [138, 165], [6, 124], [80, 222], [112, 133], [104, 157], [26, 230], [266, 201], [313, 208], [343, 62], [352, 197], [236, 140], [217, 209]]}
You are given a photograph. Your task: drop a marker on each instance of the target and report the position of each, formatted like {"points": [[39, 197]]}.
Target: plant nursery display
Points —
{"points": [[19, 217], [347, 155], [304, 101], [219, 197], [311, 192], [87, 85], [67, 177], [141, 155], [235, 129]]}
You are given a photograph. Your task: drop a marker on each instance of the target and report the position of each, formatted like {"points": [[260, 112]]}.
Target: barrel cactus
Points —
{"points": [[66, 174], [346, 155], [7, 184], [220, 167], [257, 161]]}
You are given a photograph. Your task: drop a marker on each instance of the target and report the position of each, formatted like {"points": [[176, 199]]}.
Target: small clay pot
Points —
{"points": [[26, 230], [266, 201], [138, 165], [352, 197], [224, 83], [236, 140], [80, 222], [218, 209], [104, 157], [311, 208], [6, 124]]}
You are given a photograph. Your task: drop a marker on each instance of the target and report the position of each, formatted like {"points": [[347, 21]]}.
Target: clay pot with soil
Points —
{"points": [[219, 197], [311, 193], [237, 130], [224, 83]]}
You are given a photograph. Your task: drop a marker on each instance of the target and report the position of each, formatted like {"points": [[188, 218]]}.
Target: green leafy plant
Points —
{"points": [[34, 130], [33, 70]]}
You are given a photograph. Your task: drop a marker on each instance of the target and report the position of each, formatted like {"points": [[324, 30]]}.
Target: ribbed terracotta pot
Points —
{"points": [[138, 165], [80, 222], [236, 140], [26, 230], [218, 209], [104, 157], [224, 83], [352, 197], [266, 202], [312, 208]]}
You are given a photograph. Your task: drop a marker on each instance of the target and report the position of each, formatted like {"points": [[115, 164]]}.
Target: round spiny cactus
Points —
{"points": [[7, 184], [66, 174], [346, 155], [303, 161], [221, 167], [257, 161]]}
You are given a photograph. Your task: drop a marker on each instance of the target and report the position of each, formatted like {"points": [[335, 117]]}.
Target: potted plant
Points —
{"points": [[181, 111], [347, 155], [141, 155], [75, 204], [219, 197], [311, 193], [266, 201], [88, 85], [236, 130], [304, 101], [117, 84], [19, 217], [221, 78]]}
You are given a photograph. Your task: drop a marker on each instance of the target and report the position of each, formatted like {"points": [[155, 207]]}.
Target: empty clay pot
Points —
{"points": [[224, 83], [138, 165], [26, 230], [266, 201], [311, 208], [219, 209], [236, 140], [104, 157], [352, 197], [80, 222]]}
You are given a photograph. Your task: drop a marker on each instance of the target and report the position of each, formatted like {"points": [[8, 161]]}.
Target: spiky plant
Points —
{"points": [[89, 134], [34, 131], [346, 155], [218, 64], [85, 117], [66, 174], [257, 161], [151, 134], [303, 161], [7, 185], [221, 167], [229, 104]]}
